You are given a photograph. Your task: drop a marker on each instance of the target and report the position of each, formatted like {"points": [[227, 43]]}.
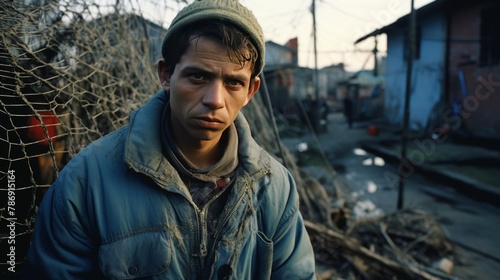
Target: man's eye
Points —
{"points": [[197, 76], [234, 82]]}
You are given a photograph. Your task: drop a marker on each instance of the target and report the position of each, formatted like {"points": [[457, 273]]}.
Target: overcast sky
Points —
{"points": [[339, 23]]}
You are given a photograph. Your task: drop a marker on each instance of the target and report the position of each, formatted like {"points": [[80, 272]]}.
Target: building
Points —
{"points": [[299, 93], [456, 69], [365, 90], [329, 79], [279, 70]]}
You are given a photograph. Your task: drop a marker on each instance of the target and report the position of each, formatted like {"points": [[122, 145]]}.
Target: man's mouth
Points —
{"points": [[209, 122]]}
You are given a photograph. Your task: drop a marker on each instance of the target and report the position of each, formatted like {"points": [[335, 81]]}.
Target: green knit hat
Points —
{"points": [[228, 10]]}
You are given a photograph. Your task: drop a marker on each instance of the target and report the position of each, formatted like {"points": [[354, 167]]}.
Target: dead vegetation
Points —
{"points": [[402, 245]]}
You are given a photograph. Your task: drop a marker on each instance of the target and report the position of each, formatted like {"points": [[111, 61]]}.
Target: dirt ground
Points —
{"points": [[471, 224]]}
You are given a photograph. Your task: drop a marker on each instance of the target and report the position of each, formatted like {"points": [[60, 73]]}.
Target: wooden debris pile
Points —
{"points": [[408, 244]]}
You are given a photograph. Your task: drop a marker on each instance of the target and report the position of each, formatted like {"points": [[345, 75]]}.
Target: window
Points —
{"points": [[490, 36]]}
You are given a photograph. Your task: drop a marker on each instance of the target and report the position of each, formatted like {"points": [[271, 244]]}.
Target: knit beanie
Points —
{"points": [[226, 10]]}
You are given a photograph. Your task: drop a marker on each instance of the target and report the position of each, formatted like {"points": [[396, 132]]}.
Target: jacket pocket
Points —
{"points": [[142, 255], [265, 249]]}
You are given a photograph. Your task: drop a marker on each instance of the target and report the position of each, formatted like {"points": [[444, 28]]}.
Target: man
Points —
{"points": [[183, 191], [348, 109]]}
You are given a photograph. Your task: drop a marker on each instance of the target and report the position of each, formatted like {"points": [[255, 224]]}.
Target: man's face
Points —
{"points": [[207, 90]]}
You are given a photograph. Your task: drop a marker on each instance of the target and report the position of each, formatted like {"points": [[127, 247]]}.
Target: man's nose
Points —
{"points": [[214, 95]]}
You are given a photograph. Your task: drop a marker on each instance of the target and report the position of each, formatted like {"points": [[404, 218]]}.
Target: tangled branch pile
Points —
{"points": [[403, 245]]}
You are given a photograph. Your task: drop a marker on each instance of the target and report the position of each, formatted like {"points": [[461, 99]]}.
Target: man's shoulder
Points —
{"points": [[276, 164], [278, 181], [104, 149], [108, 143]]}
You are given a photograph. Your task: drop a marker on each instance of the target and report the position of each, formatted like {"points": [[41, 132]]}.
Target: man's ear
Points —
{"points": [[254, 87], [163, 75]]}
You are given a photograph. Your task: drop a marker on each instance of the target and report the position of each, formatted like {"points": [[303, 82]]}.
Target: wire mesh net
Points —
{"points": [[70, 72]]}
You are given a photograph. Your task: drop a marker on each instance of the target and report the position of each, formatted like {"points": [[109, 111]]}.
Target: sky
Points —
{"points": [[339, 23]]}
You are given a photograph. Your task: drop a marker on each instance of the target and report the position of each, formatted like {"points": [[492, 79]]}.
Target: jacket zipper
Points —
{"points": [[203, 231], [224, 222]]}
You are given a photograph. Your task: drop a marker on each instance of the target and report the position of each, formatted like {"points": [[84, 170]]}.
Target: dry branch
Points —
{"points": [[374, 260]]}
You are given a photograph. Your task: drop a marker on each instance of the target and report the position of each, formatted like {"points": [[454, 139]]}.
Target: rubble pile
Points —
{"points": [[407, 244]]}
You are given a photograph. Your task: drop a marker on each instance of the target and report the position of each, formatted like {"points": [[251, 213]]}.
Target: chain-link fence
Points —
{"points": [[71, 71]]}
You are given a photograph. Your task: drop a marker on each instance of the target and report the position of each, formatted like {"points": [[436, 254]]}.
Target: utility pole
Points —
{"points": [[317, 107], [375, 51], [406, 118]]}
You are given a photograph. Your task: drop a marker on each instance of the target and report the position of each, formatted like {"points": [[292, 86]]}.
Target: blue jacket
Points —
{"points": [[119, 210]]}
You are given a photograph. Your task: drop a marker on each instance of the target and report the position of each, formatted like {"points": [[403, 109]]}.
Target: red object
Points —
{"points": [[373, 130], [35, 129], [222, 182]]}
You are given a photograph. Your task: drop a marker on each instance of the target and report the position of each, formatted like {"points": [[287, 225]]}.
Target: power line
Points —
{"points": [[344, 12]]}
